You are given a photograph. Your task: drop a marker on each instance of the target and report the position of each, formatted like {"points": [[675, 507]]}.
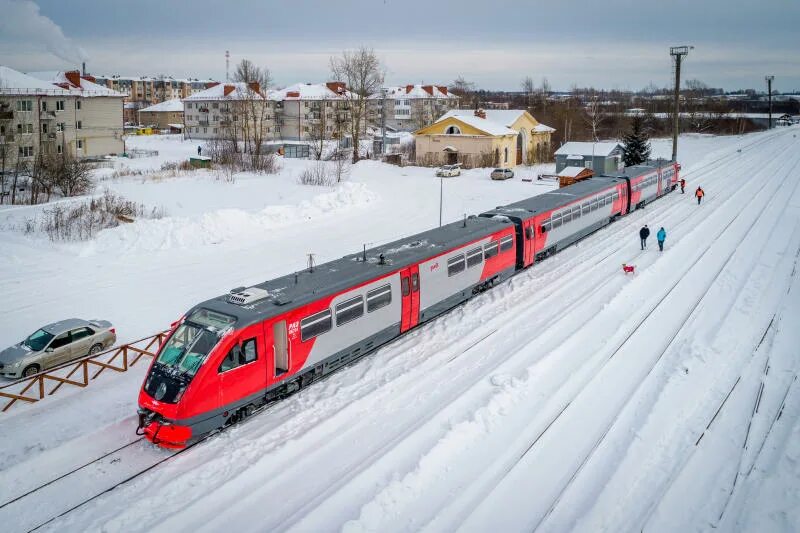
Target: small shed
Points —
{"points": [[570, 175], [200, 161], [601, 157]]}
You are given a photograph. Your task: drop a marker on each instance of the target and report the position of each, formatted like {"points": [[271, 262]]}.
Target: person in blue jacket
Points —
{"points": [[661, 236]]}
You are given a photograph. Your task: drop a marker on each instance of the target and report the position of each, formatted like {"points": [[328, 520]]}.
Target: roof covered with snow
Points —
{"points": [[15, 82], [417, 91], [75, 83], [312, 91], [571, 172], [173, 106], [229, 91], [586, 148]]}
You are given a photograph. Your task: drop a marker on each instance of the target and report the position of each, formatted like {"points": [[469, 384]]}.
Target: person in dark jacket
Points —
{"points": [[644, 233], [661, 236], [199, 150], [683, 186]]}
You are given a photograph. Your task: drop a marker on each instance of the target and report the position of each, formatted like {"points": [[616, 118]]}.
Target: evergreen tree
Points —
{"points": [[636, 149]]}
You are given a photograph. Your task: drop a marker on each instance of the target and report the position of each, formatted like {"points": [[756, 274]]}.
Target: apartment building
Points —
{"points": [[309, 111], [33, 118], [411, 107], [97, 118], [229, 110], [150, 90]]}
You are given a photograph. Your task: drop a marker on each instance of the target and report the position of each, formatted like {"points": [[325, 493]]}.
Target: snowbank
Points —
{"points": [[226, 224]]}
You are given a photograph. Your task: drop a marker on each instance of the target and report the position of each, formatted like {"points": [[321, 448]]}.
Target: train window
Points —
{"points": [[414, 282], [474, 257], [529, 232], [455, 265], [594, 204], [405, 287], [315, 325], [586, 208], [615, 197], [229, 362], [490, 250], [566, 217], [380, 297], [576, 212], [545, 227], [349, 310], [556, 222], [506, 243], [249, 351]]}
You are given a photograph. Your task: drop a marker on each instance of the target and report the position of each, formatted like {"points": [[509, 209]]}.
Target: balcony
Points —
{"points": [[6, 115]]}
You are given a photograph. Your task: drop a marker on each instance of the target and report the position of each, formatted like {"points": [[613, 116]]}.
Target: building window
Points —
{"points": [[215, 131], [44, 105], [59, 149], [79, 125], [453, 130], [80, 144], [60, 126], [78, 104], [205, 130], [26, 151], [44, 127], [24, 105], [506, 154]]}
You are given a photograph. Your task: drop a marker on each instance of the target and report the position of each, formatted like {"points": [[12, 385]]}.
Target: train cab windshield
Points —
{"points": [[191, 343]]}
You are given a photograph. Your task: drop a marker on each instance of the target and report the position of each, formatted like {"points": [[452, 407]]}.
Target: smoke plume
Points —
{"points": [[22, 23]]}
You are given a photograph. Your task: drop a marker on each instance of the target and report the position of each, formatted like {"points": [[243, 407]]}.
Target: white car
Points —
{"points": [[502, 174], [448, 171]]}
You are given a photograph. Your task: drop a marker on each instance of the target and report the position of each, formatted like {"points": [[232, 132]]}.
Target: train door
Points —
{"points": [[409, 290], [241, 371], [530, 236], [280, 351]]}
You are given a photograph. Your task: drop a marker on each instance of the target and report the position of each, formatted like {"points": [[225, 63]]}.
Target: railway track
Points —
{"points": [[110, 456]]}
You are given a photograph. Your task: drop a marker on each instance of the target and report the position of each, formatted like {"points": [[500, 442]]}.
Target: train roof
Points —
{"points": [[299, 288], [637, 170], [555, 199]]}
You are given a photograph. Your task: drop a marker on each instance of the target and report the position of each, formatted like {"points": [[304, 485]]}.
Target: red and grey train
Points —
{"points": [[231, 354]]}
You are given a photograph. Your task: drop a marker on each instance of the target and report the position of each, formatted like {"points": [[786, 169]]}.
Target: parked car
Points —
{"points": [[448, 171], [502, 174], [55, 344]]}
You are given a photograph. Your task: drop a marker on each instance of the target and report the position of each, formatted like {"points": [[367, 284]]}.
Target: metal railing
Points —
{"points": [[119, 359]]}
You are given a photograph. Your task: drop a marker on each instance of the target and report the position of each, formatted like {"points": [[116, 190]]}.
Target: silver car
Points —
{"points": [[55, 344], [502, 174], [448, 171]]}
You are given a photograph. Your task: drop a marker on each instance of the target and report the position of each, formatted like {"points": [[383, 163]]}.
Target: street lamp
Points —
{"points": [[677, 53], [769, 96]]}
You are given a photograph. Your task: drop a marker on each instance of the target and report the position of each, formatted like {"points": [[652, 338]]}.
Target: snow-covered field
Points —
{"points": [[570, 398]]}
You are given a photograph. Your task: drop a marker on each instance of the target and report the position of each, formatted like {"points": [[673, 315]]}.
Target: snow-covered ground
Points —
{"points": [[570, 398]]}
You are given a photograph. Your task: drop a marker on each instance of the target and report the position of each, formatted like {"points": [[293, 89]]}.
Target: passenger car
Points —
{"points": [[55, 344], [502, 174], [448, 171]]}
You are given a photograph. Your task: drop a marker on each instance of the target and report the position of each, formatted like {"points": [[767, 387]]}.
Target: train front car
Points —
{"points": [[173, 401]]}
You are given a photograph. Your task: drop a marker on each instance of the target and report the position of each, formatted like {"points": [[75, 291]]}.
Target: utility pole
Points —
{"points": [[677, 53], [441, 197], [769, 96], [227, 65], [383, 121]]}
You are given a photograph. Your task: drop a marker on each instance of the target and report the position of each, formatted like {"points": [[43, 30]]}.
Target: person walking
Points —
{"points": [[644, 233], [199, 149], [699, 193], [661, 236], [683, 186]]}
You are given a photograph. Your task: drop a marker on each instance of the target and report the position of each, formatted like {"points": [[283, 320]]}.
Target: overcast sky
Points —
{"points": [[606, 44]]}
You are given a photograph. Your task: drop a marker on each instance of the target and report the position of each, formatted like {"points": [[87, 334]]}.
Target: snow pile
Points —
{"points": [[224, 225]]}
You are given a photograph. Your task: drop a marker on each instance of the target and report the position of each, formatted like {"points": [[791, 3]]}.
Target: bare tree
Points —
{"points": [[465, 90], [362, 73], [544, 92], [528, 87], [595, 115], [250, 107]]}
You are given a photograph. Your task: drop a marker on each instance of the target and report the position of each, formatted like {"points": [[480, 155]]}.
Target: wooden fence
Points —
{"points": [[119, 359]]}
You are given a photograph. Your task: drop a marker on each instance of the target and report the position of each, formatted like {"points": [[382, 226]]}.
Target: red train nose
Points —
{"points": [[167, 435]]}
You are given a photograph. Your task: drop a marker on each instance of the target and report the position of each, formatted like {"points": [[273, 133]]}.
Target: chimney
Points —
{"points": [[255, 87], [442, 89], [336, 86], [428, 89], [409, 88], [74, 77], [228, 89], [83, 68], [480, 113]]}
